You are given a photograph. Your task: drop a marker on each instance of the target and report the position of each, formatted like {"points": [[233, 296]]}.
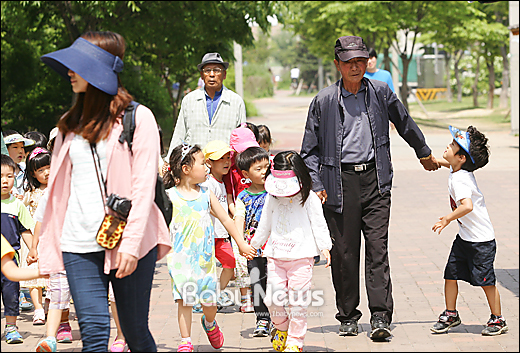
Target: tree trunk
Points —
{"points": [[475, 82], [458, 55], [404, 88], [491, 83], [449, 94], [178, 100], [386, 59], [504, 102]]}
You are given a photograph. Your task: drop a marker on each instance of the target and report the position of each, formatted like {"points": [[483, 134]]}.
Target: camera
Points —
{"points": [[119, 204]]}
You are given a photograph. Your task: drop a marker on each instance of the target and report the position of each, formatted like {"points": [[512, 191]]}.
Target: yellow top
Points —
{"points": [[7, 249]]}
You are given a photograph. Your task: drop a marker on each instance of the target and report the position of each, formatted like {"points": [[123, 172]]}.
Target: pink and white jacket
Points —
{"points": [[128, 175]]}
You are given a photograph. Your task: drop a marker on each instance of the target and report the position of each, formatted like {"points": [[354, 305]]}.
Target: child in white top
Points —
{"points": [[295, 229], [191, 262], [218, 160], [473, 251]]}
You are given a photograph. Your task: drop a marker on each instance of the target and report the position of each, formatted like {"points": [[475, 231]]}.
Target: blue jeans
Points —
{"points": [[89, 289]]}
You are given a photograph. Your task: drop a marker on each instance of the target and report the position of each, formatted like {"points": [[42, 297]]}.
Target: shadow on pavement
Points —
{"points": [[504, 277]]}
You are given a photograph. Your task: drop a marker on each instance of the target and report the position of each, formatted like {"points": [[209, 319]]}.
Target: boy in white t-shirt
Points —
{"points": [[217, 155], [473, 251]]}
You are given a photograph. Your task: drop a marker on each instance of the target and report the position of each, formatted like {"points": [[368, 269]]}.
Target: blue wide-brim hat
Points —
{"points": [[97, 66], [462, 139]]}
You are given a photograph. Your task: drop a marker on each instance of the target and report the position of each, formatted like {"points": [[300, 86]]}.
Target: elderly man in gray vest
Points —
{"points": [[211, 112]]}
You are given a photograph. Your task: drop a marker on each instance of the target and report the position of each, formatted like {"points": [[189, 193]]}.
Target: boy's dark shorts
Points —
{"points": [[472, 262]]}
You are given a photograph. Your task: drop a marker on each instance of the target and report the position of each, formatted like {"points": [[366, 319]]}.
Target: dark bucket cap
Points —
{"points": [[212, 58], [349, 47], [97, 66]]}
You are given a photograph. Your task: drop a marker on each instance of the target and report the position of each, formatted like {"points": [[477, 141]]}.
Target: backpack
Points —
{"points": [[161, 198]]}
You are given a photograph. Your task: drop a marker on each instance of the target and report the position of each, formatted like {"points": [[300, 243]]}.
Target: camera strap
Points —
{"points": [[98, 172]]}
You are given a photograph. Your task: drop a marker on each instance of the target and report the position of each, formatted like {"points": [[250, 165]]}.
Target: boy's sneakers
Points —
{"points": [[64, 334], [12, 335], [215, 336], [47, 345], [447, 320], [278, 340], [496, 325], [262, 329]]}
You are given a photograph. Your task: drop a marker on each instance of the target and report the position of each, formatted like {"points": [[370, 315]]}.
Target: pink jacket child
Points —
{"points": [[145, 226]]}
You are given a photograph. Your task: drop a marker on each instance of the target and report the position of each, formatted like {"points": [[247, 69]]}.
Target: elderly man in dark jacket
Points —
{"points": [[346, 147]]}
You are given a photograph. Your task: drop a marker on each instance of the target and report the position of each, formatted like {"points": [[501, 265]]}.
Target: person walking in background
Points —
{"points": [[16, 227], [211, 112], [374, 73], [474, 248], [241, 139], [58, 329], [254, 163], [295, 230], [346, 146], [36, 178], [191, 263], [218, 159], [90, 167], [16, 144]]}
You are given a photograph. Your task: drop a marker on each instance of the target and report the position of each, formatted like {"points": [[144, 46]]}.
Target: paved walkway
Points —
{"points": [[417, 259]]}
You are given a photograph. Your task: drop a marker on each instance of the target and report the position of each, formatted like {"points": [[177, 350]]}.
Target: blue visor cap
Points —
{"points": [[95, 65], [462, 139]]}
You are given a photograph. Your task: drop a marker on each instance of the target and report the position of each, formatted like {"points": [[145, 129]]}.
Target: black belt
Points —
{"points": [[358, 167]]}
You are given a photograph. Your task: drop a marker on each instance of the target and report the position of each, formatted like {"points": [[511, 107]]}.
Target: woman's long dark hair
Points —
{"points": [[32, 165], [94, 113], [291, 160]]}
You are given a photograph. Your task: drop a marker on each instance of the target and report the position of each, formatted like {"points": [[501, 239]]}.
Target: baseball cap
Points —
{"points": [[214, 150], [18, 138], [242, 138], [462, 139], [282, 183], [349, 47]]}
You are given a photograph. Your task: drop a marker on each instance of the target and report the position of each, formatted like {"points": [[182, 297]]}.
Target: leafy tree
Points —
{"points": [[165, 42]]}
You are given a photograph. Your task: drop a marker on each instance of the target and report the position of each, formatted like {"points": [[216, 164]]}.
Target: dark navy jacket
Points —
{"points": [[323, 137]]}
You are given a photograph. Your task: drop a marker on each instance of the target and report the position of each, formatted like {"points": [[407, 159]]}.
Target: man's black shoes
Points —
{"points": [[348, 328], [380, 328]]}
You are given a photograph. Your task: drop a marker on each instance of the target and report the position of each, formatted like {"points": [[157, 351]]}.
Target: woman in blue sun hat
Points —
{"points": [[89, 164]]}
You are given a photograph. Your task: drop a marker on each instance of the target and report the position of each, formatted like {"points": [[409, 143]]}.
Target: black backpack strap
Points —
{"points": [[129, 125]]}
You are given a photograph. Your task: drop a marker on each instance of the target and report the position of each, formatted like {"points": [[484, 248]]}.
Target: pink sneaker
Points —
{"points": [[185, 347], [64, 334], [215, 336], [118, 345]]}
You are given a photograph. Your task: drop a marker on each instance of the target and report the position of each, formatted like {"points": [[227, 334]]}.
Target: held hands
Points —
{"points": [[439, 226], [326, 253], [322, 195], [247, 251], [430, 163], [32, 257], [126, 264]]}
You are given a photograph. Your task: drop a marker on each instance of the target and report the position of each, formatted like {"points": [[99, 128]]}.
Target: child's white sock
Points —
{"points": [[209, 325], [186, 340]]}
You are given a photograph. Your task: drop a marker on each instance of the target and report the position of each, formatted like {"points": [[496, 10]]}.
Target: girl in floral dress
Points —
{"points": [[191, 262]]}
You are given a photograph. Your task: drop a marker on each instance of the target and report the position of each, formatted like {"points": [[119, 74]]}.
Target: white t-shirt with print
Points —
{"points": [[219, 189], [475, 226]]}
